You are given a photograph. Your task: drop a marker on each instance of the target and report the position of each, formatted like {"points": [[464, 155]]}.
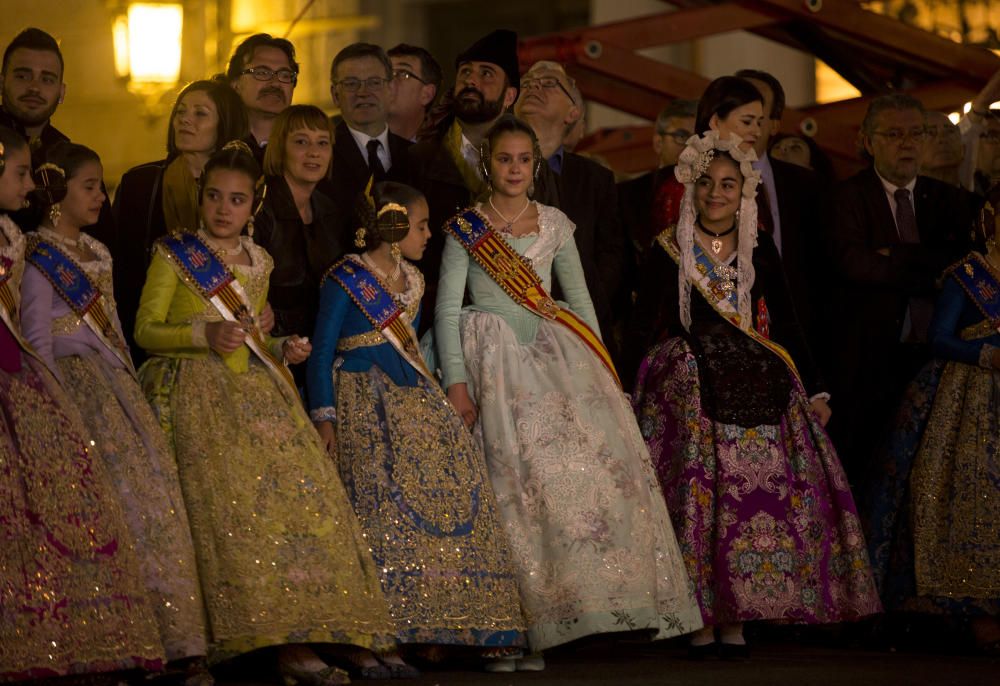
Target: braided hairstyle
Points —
{"points": [[62, 161], [379, 217], [235, 156], [508, 123]]}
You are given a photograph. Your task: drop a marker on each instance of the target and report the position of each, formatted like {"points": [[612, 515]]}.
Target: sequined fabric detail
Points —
{"points": [[73, 597], [280, 552], [66, 325], [361, 340], [141, 465], [420, 488]]}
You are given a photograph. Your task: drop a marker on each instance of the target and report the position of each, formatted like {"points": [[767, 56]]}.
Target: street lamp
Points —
{"points": [[147, 42]]}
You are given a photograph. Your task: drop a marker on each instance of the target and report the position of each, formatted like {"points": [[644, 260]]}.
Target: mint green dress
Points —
{"points": [[588, 527]]}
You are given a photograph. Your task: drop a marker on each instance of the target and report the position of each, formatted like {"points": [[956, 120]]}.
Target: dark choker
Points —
{"points": [[716, 243]]}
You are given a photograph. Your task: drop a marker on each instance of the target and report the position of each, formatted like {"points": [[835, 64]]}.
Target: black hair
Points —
{"points": [[10, 140], [356, 51], [430, 70], [508, 123], [245, 50], [721, 97], [234, 156], [383, 193], [233, 121], [33, 39], [777, 92], [883, 103], [51, 186]]}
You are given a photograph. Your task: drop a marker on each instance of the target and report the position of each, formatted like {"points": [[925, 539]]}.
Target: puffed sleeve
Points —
{"points": [[943, 332], [333, 304], [36, 316], [152, 331], [447, 310], [569, 272]]}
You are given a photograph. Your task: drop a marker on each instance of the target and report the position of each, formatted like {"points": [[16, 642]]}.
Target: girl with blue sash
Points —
{"points": [[73, 594], [283, 562], [69, 316], [732, 409], [594, 548], [935, 512], [417, 480]]}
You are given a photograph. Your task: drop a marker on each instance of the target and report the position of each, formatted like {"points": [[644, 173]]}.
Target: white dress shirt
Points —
{"points": [[383, 150]]}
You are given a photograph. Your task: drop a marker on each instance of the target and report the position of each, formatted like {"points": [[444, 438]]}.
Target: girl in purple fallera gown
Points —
{"points": [[732, 410]]}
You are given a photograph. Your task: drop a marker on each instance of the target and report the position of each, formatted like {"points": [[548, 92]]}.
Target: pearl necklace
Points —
{"points": [[391, 278], [510, 222], [230, 252], [59, 238]]}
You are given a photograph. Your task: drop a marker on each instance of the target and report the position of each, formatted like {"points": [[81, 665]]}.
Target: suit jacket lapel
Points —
{"points": [[881, 212], [347, 156]]}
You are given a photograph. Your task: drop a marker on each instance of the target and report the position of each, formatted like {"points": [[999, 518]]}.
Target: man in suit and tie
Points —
{"points": [[551, 104], [890, 233], [361, 85]]}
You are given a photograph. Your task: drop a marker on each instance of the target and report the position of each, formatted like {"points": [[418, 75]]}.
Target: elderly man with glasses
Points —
{"points": [[551, 104], [890, 232], [263, 72]]}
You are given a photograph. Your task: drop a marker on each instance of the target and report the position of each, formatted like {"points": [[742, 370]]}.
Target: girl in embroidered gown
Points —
{"points": [[934, 525], [72, 598], [591, 538], [92, 362], [762, 508], [282, 559], [418, 482]]}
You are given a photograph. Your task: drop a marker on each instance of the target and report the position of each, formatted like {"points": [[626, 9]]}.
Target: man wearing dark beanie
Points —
{"points": [[446, 165]]}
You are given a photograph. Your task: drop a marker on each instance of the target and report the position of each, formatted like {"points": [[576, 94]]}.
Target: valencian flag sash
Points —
{"points": [[83, 297], [381, 309], [213, 281], [978, 282], [518, 278], [718, 288]]}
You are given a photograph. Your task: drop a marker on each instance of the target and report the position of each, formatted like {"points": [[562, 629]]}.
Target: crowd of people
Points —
{"points": [[420, 383]]}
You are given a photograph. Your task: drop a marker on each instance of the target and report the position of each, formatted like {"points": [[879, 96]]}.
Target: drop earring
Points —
{"points": [[359, 237], [54, 213], [250, 227]]}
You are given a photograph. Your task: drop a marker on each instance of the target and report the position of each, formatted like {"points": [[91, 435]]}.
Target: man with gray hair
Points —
{"points": [[889, 233]]}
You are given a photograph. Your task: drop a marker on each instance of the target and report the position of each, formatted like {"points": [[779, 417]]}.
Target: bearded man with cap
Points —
{"points": [[446, 167]]}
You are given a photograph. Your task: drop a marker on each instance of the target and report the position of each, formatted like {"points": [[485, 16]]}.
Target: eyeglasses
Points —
{"points": [[265, 74], [548, 83], [372, 83], [405, 74], [897, 136], [679, 136]]}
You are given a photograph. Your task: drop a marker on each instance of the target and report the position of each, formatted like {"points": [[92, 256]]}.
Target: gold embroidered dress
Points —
{"points": [[280, 553], [72, 597], [130, 441]]}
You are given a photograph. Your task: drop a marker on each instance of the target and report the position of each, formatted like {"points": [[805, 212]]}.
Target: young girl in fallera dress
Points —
{"points": [[76, 332], [73, 594], [414, 473], [283, 562], [592, 541]]}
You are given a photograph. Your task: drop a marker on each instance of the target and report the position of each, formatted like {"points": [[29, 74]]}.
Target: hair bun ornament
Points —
{"points": [[393, 222], [238, 145], [50, 184]]}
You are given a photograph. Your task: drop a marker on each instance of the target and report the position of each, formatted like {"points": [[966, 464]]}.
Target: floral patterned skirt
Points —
{"points": [[764, 515], [72, 597], [280, 553], [142, 468], [590, 534], [420, 488]]}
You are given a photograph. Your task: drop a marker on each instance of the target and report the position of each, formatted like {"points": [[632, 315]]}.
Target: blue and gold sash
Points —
{"points": [[720, 294], [73, 285], [375, 301], [199, 267], [518, 278], [974, 276]]}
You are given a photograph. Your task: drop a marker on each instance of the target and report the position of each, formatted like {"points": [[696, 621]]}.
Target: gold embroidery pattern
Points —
{"points": [[66, 325], [420, 488], [361, 340]]}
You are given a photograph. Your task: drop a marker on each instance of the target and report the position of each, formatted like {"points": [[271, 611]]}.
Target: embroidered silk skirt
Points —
{"points": [[72, 596], [280, 553], [764, 515], [590, 534], [420, 488]]}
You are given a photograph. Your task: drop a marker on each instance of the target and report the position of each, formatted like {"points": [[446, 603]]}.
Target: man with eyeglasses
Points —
{"points": [[890, 233], [446, 166], [551, 104], [32, 88], [263, 71], [418, 80], [943, 150]]}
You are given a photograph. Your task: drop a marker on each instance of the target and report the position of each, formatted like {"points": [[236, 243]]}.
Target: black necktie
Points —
{"points": [[921, 309], [375, 167]]}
